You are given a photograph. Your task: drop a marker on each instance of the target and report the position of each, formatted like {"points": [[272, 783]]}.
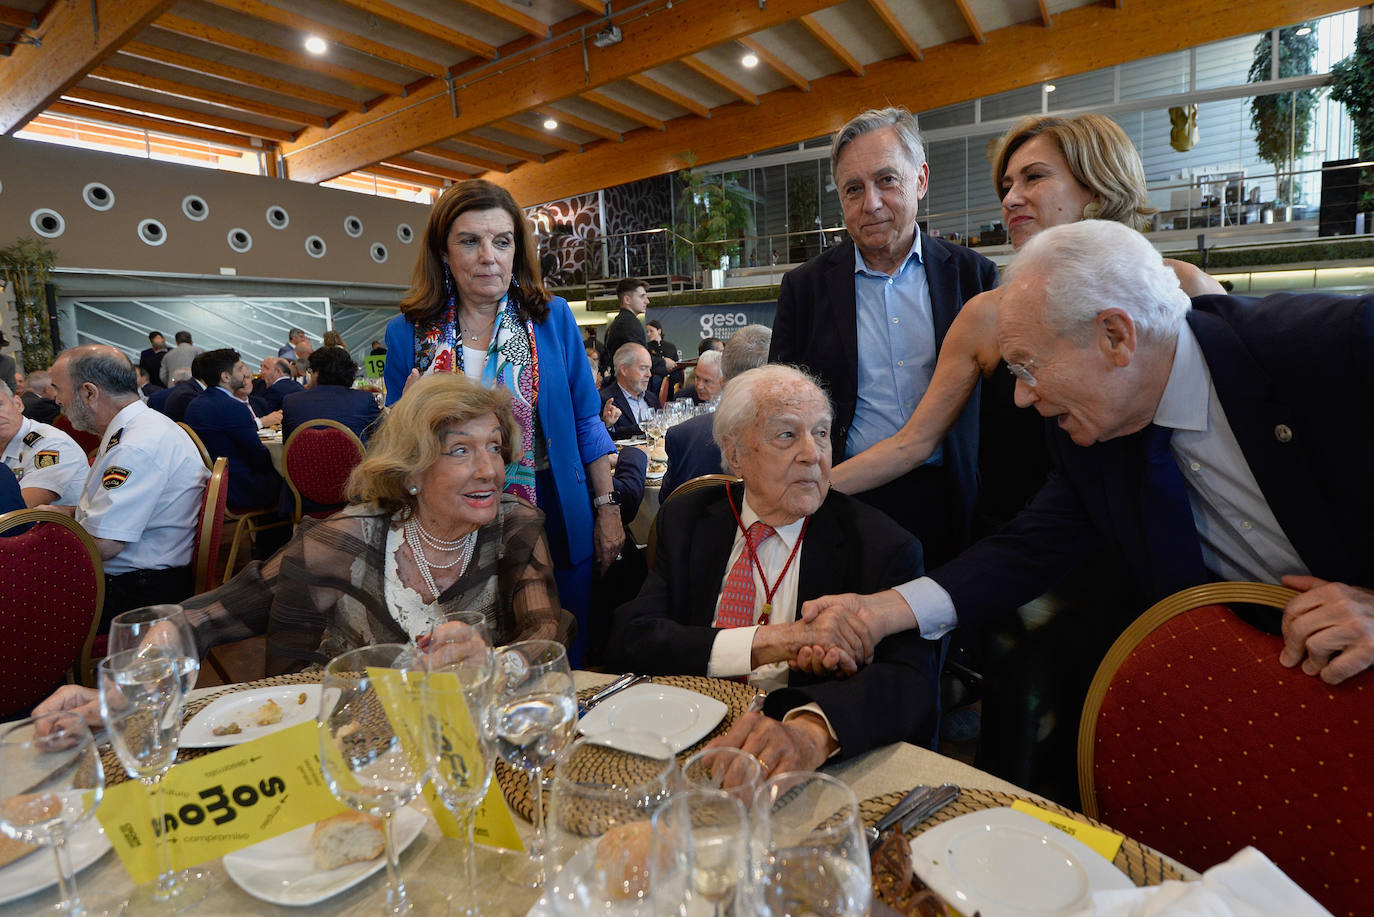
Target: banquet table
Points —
{"points": [[435, 859]]}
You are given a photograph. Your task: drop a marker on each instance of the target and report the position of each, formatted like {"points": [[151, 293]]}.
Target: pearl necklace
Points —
{"points": [[417, 538]]}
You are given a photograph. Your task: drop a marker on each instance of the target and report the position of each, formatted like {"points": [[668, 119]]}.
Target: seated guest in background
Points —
{"points": [[722, 603], [146, 387], [294, 337], [332, 338], [40, 402], [178, 357], [706, 344], [629, 391], [332, 396], [594, 361], [378, 349], [143, 493], [1222, 440], [49, 465], [20, 382], [228, 428], [185, 389], [150, 360], [276, 374], [706, 380], [691, 445]]}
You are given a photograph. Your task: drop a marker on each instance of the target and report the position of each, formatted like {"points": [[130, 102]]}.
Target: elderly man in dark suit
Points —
{"points": [[277, 384], [734, 564], [332, 396], [1226, 441], [629, 391], [868, 317]]}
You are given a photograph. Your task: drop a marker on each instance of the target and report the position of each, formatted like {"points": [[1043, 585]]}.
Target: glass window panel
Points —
{"points": [[949, 116], [1227, 63], [1023, 101], [1166, 74], [1085, 90]]}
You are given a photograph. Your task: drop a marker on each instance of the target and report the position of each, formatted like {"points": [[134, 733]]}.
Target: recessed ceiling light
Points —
{"points": [[1305, 30], [1049, 87], [750, 60], [550, 124], [315, 45]]}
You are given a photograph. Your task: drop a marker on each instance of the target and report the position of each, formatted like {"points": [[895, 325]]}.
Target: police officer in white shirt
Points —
{"points": [[142, 498], [50, 466]]}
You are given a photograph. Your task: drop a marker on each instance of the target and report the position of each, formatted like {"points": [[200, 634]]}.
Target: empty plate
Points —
{"points": [[681, 717]]}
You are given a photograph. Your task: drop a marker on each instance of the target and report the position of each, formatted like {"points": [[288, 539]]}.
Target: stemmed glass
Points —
{"points": [[368, 756], [720, 847], [532, 717], [655, 427], [163, 626], [50, 782], [140, 701], [456, 636], [808, 853], [712, 768]]}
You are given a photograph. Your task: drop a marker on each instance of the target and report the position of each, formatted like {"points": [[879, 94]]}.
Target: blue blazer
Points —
{"points": [[223, 423], [272, 396], [351, 407], [624, 426], [174, 401], [692, 452], [1293, 375], [569, 413]]}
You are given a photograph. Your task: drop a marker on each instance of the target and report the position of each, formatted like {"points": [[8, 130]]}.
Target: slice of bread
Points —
{"points": [[11, 850], [347, 838]]}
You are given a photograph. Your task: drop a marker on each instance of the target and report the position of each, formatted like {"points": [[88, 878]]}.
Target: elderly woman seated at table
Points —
{"points": [[718, 602]]}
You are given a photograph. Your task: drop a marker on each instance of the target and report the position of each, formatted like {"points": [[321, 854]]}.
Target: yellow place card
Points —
{"points": [[1106, 843], [222, 802]]}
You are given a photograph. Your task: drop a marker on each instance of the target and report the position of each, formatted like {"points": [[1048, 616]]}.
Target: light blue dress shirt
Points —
{"points": [[896, 349]]}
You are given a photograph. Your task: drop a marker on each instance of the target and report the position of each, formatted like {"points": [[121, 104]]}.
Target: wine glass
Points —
{"points": [[808, 854], [712, 768], [50, 782], [372, 760], [655, 426], [140, 701], [454, 703], [600, 833], [719, 830], [532, 717], [459, 634], [158, 626]]}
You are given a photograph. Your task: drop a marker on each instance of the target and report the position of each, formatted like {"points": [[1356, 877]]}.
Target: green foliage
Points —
{"points": [[718, 215], [1352, 84], [1273, 117], [25, 266]]}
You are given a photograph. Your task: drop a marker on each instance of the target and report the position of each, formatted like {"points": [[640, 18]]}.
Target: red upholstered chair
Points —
{"points": [[1196, 741], [319, 456], [89, 442], [52, 586]]}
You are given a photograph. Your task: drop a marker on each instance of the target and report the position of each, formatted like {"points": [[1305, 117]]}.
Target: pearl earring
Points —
{"points": [[1091, 210], [414, 489]]}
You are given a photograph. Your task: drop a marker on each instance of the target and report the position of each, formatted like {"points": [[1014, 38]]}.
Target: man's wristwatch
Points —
{"points": [[609, 499]]}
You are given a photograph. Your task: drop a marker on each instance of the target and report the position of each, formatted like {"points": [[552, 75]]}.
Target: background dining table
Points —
{"points": [[435, 859]]}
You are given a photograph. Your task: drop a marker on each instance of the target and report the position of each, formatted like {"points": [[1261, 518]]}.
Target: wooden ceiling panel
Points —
{"points": [[591, 117], [638, 93], [725, 60], [92, 90], [144, 122], [485, 141], [523, 20], [735, 88], [462, 160], [689, 81], [515, 133], [447, 24], [181, 90], [861, 31], [998, 14], [975, 28], [937, 23], [778, 63], [890, 14], [122, 65], [794, 44]]}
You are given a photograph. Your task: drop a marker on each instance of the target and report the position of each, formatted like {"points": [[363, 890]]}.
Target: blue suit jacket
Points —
{"points": [[174, 401], [351, 407], [223, 423], [692, 452], [625, 426], [272, 396], [1293, 373]]}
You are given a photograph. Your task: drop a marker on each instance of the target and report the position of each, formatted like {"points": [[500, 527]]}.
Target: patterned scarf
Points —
{"points": [[512, 363]]}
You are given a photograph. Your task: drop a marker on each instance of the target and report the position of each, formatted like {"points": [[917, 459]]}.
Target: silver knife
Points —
{"points": [[940, 798], [614, 688], [904, 805]]}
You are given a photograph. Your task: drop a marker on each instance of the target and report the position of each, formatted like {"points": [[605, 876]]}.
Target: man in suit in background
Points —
{"points": [[691, 445], [869, 316], [294, 338], [706, 380], [626, 327], [146, 387], [174, 401], [151, 359], [734, 564], [332, 396], [225, 424], [629, 391], [277, 384], [39, 398], [178, 357]]}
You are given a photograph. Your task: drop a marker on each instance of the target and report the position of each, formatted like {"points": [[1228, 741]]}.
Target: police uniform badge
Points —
{"points": [[33, 437], [46, 458], [114, 441], [113, 477]]}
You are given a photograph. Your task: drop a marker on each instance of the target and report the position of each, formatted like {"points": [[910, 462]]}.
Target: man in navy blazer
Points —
{"points": [[277, 384], [868, 317], [331, 396], [175, 400], [226, 425], [629, 390], [1226, 441]]}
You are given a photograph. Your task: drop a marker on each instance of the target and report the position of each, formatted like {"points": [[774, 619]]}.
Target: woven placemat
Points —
{"points": [[515, 783], [1142, 865], [114, 771]]}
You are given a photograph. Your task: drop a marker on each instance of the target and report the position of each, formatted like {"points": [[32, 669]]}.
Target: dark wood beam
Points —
{"points": [[138, 106], [18, 19], [777, 63], [620, 108], [721, 80], [832, 44], [213, 96]]}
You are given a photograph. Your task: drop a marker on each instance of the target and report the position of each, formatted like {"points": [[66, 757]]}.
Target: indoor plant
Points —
{"points": [[25, 266]]}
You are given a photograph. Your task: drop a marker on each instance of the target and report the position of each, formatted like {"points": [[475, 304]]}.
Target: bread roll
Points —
{"points": [[622, 859], [11, 850], [347, 838]]}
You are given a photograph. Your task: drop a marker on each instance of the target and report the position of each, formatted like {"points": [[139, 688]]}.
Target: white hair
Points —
{"points": [[709, 358], [626, 353], [1099, 264], [742, 403], [180, 374], [903, 124]]}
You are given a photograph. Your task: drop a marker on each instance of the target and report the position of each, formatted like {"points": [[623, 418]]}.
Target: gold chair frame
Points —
{"points": [[200, 444], [700, 482]]}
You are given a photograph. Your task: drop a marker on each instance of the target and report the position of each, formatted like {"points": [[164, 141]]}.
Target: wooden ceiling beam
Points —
{"points": [[499, 148], [213, 96], [299, 59], [582, 124], [520, 84], [424, 25], [31, 78], [405, 175], [144, 51], [140, 106], [483, 164], [403, 162], [777, 63], [974, 28], [649, 84], [894, 25], [1083, 39], [721, 80], [143, 122], [625, 111], [545, 137], [592, 6], [508, 14], [18, 19], [833, 45], [1044, 13]]}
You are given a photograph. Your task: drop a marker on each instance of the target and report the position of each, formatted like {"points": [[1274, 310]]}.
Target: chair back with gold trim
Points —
{"points": [[210, 532], [200, 445], [52, 587], [1197, 741], [701, 482], [318, 457]]}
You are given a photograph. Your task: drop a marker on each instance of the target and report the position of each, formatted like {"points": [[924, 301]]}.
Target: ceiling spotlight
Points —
{"points": [[1305, 30], [1049, 87], [750, 60], [315, 45], [550, 124]]}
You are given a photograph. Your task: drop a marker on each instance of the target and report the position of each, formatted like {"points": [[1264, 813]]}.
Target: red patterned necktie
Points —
{"points": [[737, 598]]}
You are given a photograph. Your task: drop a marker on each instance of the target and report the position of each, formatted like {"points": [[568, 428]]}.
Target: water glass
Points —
{"points": [[731, 769], [163, 626], [719, 830], [461, 633]]}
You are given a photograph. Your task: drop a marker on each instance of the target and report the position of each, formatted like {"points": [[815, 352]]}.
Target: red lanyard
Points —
{"points": [[768, 591]]}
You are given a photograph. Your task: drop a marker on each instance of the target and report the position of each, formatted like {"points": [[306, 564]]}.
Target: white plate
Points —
{"points": [[282, 869], [38, 870], [680, 716], [1004, 863], [655, 475], [240, 707]]}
